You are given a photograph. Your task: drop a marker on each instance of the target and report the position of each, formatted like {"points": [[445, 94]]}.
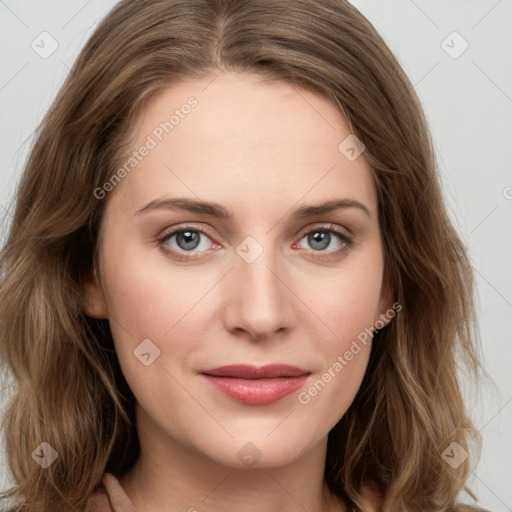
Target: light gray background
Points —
{"points": [[468, 101]]}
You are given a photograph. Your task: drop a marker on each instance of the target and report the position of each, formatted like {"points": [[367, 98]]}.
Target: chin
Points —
{"points": [[257, 452]]}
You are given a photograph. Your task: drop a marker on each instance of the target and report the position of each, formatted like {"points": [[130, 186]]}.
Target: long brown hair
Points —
{"points": [[68, 388]]}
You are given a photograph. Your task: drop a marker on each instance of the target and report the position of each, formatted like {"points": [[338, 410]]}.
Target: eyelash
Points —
{"points": [[329, 228]]}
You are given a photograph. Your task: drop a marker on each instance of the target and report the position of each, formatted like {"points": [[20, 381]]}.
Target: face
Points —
{"points": [[255, 277]]}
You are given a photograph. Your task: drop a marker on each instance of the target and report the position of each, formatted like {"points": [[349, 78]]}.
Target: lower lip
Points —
{"points": [[256, 391]]}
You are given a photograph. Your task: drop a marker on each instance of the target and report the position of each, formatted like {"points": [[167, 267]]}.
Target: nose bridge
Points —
{"points": [[260, 297]]}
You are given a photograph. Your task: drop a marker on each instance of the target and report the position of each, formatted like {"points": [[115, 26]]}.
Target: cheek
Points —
{"points": [[152, 301], [348, 300], [148, 299], [344, 354], [349, 307]]}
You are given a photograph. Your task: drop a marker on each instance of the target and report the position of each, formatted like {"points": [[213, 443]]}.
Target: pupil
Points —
{"points": [[188, 238], [320, 238]]}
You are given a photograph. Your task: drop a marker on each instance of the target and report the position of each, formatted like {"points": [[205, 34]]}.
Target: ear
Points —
{"points": [[386, 311], [93, 299]]}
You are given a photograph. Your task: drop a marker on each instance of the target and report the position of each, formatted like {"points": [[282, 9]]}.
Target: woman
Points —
{"points": [[231, 280]]}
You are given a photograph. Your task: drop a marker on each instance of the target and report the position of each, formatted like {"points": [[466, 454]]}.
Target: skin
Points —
{"points": [[261, 151]]}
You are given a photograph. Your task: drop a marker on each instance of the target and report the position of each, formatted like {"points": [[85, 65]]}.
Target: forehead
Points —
{"points": [[242, 110], [234, 136]]}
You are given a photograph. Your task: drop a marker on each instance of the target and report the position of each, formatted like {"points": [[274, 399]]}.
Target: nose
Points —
{"points": [[259, 302]]}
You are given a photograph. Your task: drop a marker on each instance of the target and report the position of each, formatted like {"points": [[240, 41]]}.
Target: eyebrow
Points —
{"points": [[218, 211]]}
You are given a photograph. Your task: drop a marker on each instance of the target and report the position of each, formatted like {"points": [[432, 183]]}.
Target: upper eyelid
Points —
{"points": [[166, 233], [346, 241], [319, 226]]}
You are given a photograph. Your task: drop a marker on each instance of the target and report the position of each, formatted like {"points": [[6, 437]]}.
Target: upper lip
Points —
{"points": [[245, 371]]}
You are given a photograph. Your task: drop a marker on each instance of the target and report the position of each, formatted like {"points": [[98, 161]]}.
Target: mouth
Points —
{"points": [[256, 386]]}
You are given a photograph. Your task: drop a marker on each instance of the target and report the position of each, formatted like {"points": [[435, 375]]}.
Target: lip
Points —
{"points": [[256, 386], [246, 371]]}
